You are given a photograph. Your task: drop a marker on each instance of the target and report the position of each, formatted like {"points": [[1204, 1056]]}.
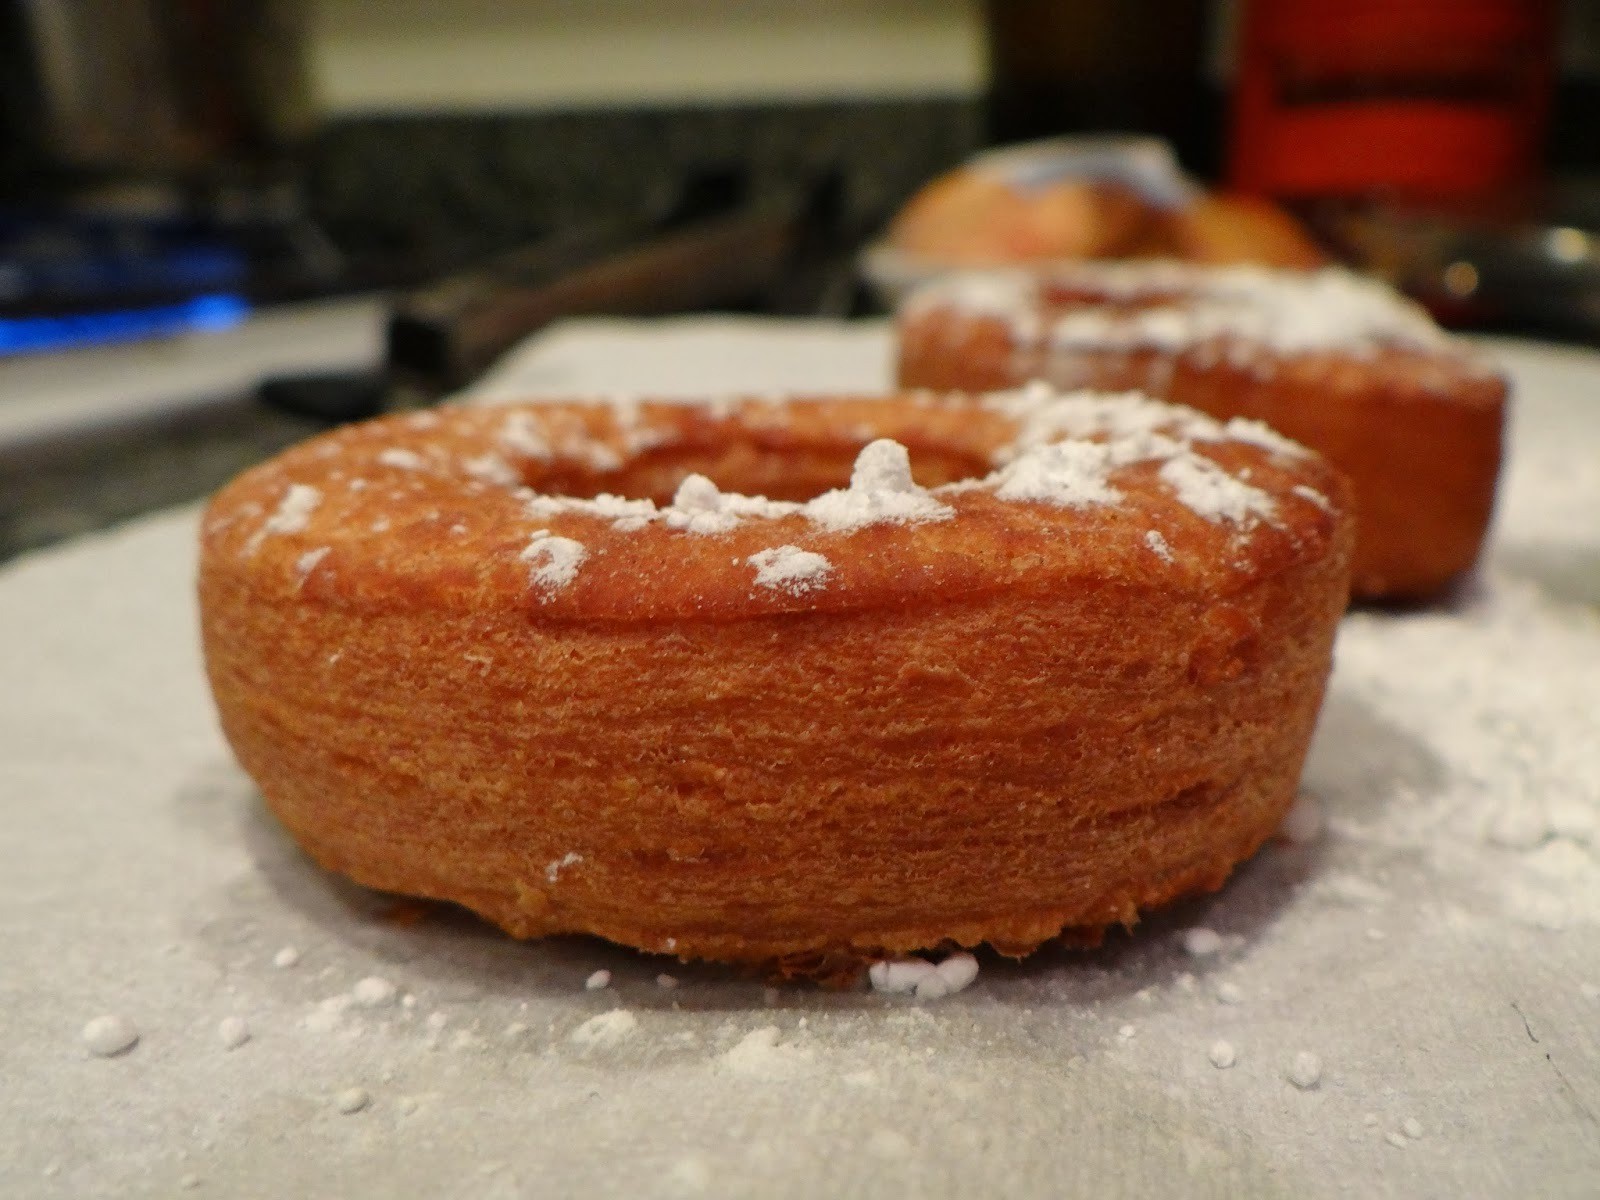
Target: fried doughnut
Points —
{"points": [[1335, 361], [975, 672], [978, 217]]}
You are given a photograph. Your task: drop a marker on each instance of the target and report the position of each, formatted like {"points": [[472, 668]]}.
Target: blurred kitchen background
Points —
{"points": [[225, 224]]}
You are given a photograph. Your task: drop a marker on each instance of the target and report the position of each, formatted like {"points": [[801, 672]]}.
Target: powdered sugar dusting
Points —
{"points": [[1286, 312], [1205, 488], [521, 434], [762, 1056], [491, 468], [790, 569], [1068, 474], [1064, 452], [606, 1031], [1259, 433], [1443, 730]]}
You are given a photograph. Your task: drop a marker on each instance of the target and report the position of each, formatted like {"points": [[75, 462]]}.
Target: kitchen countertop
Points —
{"points": [[1437, 948]]}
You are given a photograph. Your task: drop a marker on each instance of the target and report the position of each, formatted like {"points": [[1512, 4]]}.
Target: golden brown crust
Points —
{"points": [[1418, 431], [983, 729]]}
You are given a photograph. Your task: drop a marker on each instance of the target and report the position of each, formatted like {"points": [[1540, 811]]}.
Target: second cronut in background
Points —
{"points": [[1336, 361]]}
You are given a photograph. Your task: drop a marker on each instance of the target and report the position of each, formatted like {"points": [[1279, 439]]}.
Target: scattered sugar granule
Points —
{"points": [[520, 435], [555, 559], [597, 981], [110, 1035], [491, 468], [307, 563], [374, 992], [189, 1182], [1222, 1055], [1306, 1070], [291, 516], [1304, 822], [1126, 1033], [1412, 1128], [790, 569], [1397, 1140], [352, 1100], [1369, 1119], [1201, 942], [1229, 993], [1158, 545], [552, 871], [232, 1032], [286, 957], [666, 981], [1306, 492], [394, 456], [607, 1030]]}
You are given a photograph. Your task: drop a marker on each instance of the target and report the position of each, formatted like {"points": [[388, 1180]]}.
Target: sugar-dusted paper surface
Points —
{"points": [[1437, 949]]}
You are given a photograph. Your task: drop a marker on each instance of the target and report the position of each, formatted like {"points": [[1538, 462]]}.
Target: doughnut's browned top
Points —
{"points": [[444, 509]]}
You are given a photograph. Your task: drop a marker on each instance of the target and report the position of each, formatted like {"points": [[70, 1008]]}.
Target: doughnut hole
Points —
{"points": [[794, 470]]}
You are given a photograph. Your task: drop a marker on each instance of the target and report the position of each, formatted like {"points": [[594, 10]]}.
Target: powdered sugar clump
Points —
{"points": [[790, 569], [552, 871], [881, 490], [291, 516], [699, 506], [760, 1055], [307, 563], [555, 559], [110, 1035], [406, 460], [924, 979], [606, 1031]]}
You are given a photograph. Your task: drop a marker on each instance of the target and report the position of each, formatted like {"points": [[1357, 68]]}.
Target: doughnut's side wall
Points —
{"points": [[1420, 437], [996, 769]]}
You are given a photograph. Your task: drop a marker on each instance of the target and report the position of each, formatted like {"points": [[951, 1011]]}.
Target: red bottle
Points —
{"points": [[1427, 100]]}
